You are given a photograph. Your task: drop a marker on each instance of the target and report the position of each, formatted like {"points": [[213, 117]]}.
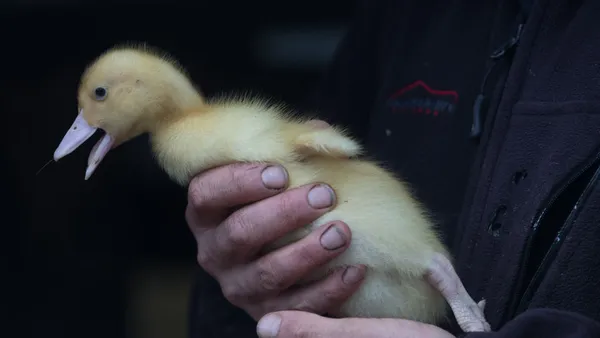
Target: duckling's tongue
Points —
{"points": [[79, 132]]}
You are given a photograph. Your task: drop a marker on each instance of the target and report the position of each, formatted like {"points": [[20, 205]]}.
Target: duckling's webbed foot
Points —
{"points": [[469, 315]]}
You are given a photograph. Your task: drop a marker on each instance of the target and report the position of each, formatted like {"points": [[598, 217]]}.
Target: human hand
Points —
{"points": [[233, 211], [292, 324]]}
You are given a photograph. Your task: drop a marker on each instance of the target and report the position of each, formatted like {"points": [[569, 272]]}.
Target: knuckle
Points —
{"points": [[268, 280], [333, 296], [227, 181], [236, 233], [319, 302], [200, 191], [334, 291], [287, 208], [310, 255], [233, 293], [190, 217], [203, 258], [306, 305], [238, 177]]}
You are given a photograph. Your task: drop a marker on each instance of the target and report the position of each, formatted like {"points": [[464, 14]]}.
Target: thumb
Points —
{"points": [[291, 324]]}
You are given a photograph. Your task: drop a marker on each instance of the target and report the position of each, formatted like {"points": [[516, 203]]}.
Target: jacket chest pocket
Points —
{"points": [[570, 279]]}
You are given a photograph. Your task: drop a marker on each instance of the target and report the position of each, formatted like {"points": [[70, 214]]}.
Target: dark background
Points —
{"points": [[112, 256]]}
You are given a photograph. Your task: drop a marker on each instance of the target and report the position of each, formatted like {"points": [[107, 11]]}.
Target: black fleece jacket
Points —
{"points": [[491, 111]]}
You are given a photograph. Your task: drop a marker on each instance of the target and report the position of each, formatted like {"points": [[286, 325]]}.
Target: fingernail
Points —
{"points": [[352, 275], [321, 197], [333, 238], [274, 177], [268, 326]]}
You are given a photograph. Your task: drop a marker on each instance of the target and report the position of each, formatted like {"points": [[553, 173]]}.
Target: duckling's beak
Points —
{"points": [[79, 132]]}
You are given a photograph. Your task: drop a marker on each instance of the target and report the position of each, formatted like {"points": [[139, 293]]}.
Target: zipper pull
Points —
{"points": [[476, 127], [509, 45]]}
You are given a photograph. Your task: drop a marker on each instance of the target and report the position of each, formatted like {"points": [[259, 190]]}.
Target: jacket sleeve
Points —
{"points": [[544, 323]]}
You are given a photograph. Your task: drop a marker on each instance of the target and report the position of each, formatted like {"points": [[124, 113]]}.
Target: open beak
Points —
{"points": [[79, 132]]}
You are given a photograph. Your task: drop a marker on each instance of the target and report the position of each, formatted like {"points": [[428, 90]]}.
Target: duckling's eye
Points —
{"points": [[100, 93]]}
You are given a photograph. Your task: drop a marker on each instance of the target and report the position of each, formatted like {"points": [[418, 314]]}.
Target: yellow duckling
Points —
{"points": [[131, 90]]}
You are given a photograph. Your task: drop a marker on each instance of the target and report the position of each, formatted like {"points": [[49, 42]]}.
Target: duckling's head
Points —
{"points": [[127, 91]]}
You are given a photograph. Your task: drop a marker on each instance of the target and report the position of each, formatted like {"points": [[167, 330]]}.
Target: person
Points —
{"points": [[491, 111]]}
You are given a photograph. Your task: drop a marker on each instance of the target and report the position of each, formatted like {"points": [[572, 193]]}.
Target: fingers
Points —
{"points": [[213, 193], [234, 211], [280, 269], [247, 230], [324, 296], [292, 324]]}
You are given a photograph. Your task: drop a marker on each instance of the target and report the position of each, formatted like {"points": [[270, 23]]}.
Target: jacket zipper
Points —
{"points": [[558, 240]]}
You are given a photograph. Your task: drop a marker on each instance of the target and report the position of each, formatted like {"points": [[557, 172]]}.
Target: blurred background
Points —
{"points": [[112, 256]]}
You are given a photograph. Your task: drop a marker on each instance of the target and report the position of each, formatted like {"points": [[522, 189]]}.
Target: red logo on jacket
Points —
{"points": [[419, 98]]}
